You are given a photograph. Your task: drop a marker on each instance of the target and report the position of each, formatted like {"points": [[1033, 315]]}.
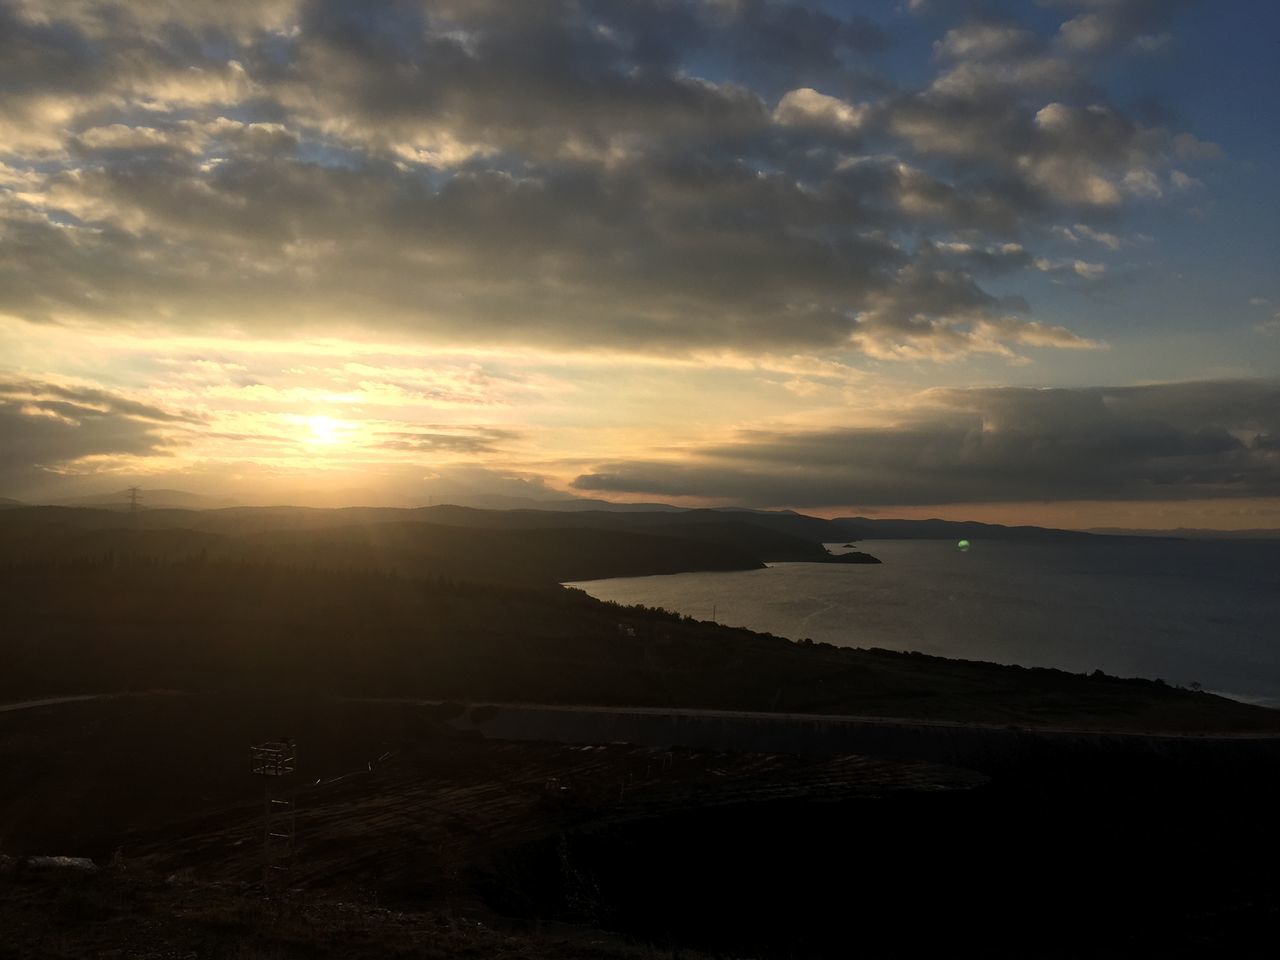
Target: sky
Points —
{"points": [[1009, 261]]}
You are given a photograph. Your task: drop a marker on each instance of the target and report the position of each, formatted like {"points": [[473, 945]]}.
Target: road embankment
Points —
{"points": [[984, 747]]}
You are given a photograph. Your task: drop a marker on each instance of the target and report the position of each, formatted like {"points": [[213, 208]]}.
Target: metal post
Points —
{"points": [[272, 761]]}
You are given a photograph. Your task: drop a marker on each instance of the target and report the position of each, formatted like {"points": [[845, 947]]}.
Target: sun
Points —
{"points": [[324, 430]]}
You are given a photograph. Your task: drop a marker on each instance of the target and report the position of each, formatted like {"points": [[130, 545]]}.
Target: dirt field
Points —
{"points": [[386, 795], [413, 840]]}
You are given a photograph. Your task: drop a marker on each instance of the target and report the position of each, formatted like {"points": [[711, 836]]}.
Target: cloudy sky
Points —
{"points": [[1004, 260]]}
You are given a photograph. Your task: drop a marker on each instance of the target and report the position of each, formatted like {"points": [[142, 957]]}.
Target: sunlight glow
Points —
{"points": [[325, 431]]}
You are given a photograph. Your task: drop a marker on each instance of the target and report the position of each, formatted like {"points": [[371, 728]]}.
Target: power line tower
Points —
{"points": [[275, 760], [135, 498]]}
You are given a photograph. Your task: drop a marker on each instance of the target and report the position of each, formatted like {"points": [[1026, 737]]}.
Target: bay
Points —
{"points": [[1206, 612]]}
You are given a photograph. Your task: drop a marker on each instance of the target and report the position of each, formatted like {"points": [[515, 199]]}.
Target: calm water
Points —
{"points": [[1184, 611]]}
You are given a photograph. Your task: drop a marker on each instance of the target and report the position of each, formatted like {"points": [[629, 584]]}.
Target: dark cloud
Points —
{"points": [[47, 428], [1167, 442], [70, 402], [783, 46], [462, 440]]}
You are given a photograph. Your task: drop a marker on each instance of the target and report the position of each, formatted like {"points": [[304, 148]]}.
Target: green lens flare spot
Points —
{"points": [[963, 545]]}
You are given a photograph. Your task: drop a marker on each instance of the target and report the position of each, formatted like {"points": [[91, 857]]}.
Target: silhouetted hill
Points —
{"points": [[783, 522], [338, 600], [788, 529], [244, 519], [768, 535], [201, 624], [149, 499], [862, 528], [413, 549], [772, 537], [1192, 533], [742, 540], [570, 505], [759, 541]]}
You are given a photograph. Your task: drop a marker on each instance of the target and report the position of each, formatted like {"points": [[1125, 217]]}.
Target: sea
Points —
{"points": [[1188, 612]]}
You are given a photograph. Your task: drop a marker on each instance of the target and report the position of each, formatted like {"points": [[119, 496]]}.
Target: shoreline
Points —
{"points": [[996, 605]]}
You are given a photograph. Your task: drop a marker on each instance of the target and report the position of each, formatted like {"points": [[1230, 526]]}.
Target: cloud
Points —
{"points": [[806, 106], [1105, 25], [985, 41], [1080, 268], [786, 43], [646, 176], [932, 312], [48, 429], [82, 401], [446, 439], [1082, 231], [1084, 158], [1164, 442]]}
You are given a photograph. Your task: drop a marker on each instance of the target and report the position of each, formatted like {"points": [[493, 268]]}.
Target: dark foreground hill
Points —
{"points": [[414, 841], [417, 840]]}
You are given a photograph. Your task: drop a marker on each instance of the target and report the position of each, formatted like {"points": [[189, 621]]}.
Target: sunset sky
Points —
{"points": [[1010, 261]]}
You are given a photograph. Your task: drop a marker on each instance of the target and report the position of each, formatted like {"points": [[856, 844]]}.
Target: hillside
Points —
{"points": [[74, 627], [149, 499], [783, 524], [254, 519], [414, 549], [496, 546], [771, 536]]}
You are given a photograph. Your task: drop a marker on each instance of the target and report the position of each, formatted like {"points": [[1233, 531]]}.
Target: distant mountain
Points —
{"points": [[862, 528], [7, 504], [1192, 533], [771, 535], [766, 535], [150, 500], [790, 536], [813, 530], [572, 505]]}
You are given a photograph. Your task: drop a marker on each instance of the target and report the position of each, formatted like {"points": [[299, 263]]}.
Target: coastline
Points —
{"points": [[1197, 616]]}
